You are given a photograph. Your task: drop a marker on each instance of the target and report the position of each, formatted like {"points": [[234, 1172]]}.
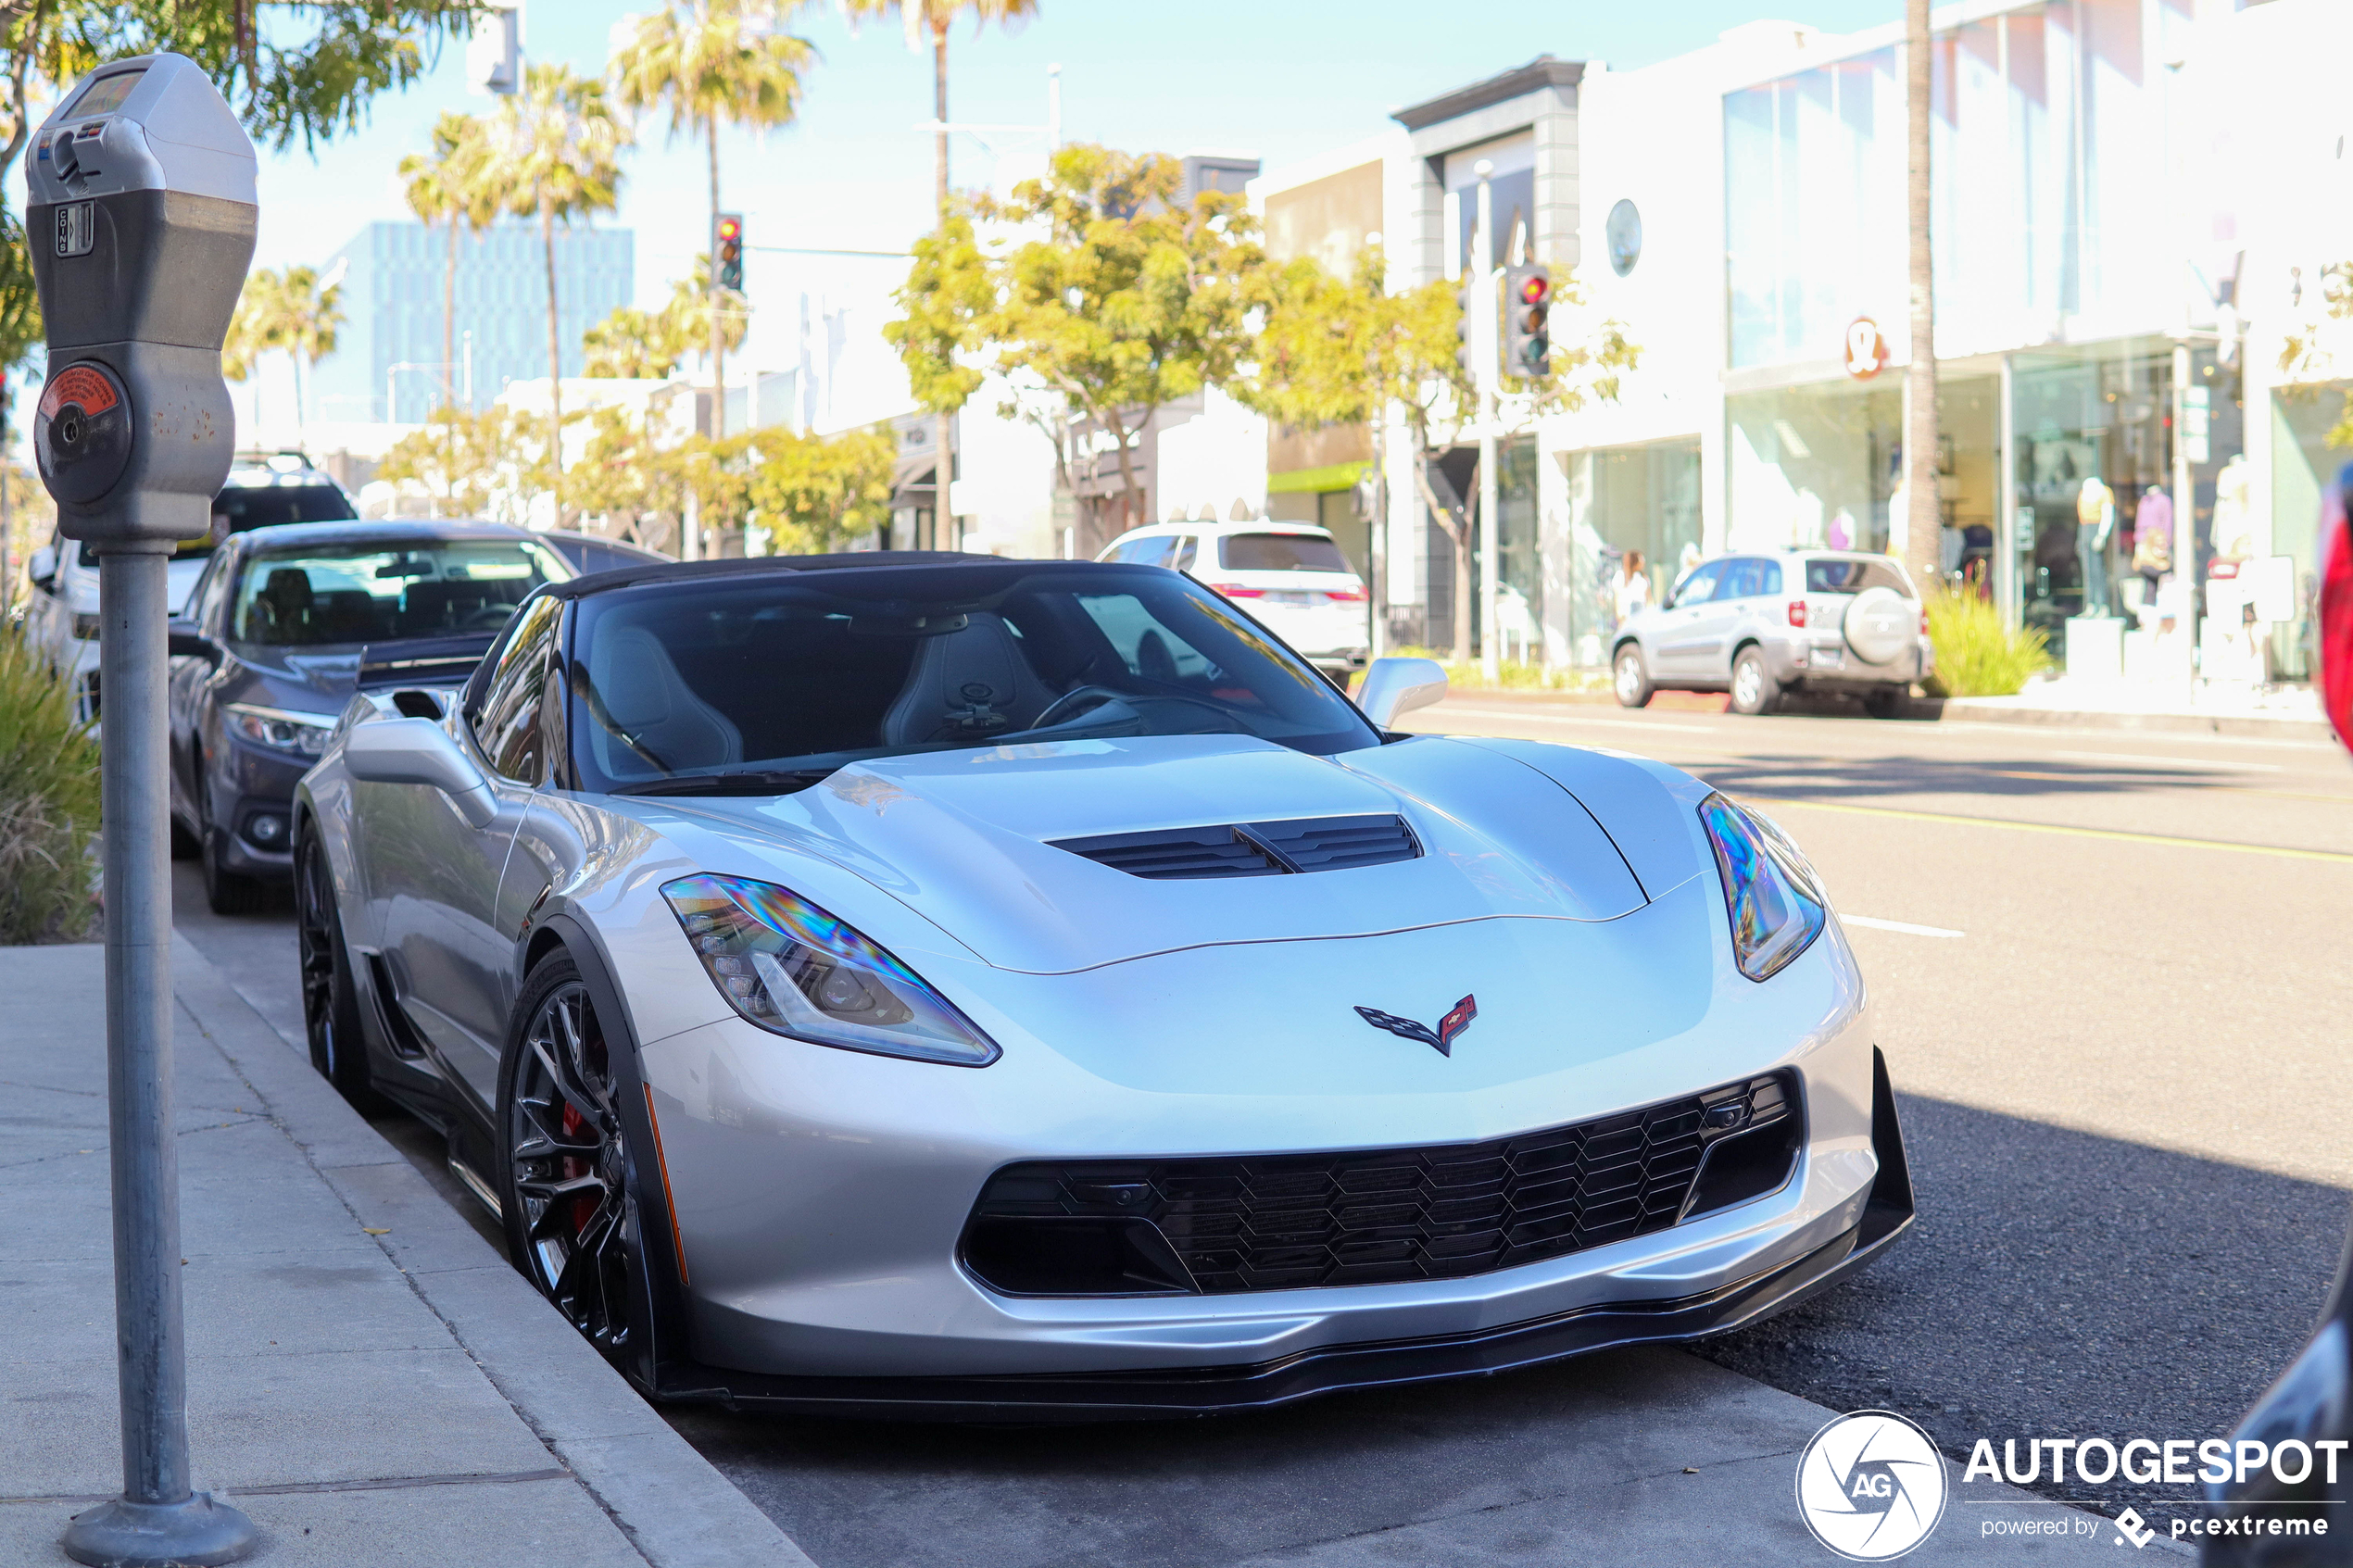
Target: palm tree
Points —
{"points": [[554, 155], [711, 62], [447, 186], [932, 18], [284, 312], [1924, 518]]}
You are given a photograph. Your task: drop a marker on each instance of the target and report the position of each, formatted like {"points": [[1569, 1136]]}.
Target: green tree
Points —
{"points": [[446, 187], [480, 465], [627, 476], [286, 313], [816, 494], [709, 63], [1348, 351], [648, 345], [928, 22], [555, 154], [1109, 291]]}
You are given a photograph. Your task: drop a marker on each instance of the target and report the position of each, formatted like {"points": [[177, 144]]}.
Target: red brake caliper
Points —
{"points": [[583, 1207]]}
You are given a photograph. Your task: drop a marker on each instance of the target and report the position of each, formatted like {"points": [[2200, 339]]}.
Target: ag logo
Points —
{"points": [[1871, 1486]]}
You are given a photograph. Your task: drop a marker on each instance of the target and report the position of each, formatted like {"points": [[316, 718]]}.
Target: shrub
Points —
{"points": [[1976, 654], [48, 803]]}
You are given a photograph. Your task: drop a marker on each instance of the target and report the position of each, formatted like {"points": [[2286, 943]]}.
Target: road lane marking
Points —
{"points": [[2273, 850], [2170, 762], [1905, 926]]}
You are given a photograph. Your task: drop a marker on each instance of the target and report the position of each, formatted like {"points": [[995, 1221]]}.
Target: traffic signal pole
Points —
{"points": [[1488, 351]]}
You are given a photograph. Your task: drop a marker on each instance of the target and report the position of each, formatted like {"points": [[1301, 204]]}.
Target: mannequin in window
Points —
{"points": [[2153, 537], [2094, 520]]}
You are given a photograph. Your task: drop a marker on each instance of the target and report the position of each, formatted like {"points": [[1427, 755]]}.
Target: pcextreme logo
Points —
{"points": [[1871, 1486]]}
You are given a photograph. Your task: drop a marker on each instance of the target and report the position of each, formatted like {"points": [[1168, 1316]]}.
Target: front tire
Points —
{"points": [[1753, 688], [563, 1162], [329, 1000], [1631, 678]]}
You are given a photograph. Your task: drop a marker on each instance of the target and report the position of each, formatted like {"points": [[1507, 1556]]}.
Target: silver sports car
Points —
{"points": [[935, 984]]}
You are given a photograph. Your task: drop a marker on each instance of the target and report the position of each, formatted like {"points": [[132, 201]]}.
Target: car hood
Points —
{"points": [[964, 839], [305, 680]]}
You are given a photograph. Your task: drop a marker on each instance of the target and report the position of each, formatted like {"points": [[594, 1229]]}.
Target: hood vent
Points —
{"points": [[1303, 843]]}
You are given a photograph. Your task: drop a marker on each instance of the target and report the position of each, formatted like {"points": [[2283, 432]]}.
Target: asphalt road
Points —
{"points": [[2104, 969]]}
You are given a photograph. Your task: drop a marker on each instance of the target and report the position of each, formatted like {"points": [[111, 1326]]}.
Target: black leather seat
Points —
{"points": [[965, 686], [646, 698]]}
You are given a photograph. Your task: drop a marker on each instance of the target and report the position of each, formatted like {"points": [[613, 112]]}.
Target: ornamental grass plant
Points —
{"points": [[1976, 654], [48, 803]]}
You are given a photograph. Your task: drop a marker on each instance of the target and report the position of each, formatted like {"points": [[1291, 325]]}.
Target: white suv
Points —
{"points": [[62, 614], [1291, 576]]}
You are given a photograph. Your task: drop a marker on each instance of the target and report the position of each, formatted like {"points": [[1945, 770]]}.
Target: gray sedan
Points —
{"points": [[1757, 626]]}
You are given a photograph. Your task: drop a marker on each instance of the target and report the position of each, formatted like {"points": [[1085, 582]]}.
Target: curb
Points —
{"points": [[1978, 711], [674, 1509]]}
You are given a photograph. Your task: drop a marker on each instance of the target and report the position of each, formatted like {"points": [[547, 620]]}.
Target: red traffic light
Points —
{"points": [[1534, 287], [730, 228]]}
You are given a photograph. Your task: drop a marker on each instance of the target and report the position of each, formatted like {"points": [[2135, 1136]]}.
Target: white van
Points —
{"points": [[1291, 576]]}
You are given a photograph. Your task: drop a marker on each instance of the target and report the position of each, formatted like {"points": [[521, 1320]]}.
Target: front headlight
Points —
{"points": [[1776, 902], [299, 735], [791, 968]]}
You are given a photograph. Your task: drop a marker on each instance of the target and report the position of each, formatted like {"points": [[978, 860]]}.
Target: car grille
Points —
{"points": [[1306, 844], [1282, 1221]]}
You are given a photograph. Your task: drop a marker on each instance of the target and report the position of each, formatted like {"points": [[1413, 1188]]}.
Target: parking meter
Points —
{"points": [[141, 214]]}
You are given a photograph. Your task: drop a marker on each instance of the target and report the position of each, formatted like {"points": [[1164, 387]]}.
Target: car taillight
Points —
{"points": [[1346, 596], [1797, 612], [2337, 609], [1923, 622], [1236, 591]]}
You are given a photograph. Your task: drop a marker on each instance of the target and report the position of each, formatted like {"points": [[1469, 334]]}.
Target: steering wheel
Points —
{"points": [[1070, 700]]}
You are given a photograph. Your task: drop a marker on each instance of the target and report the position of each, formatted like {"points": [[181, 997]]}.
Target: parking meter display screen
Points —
{"points": [[105, 94]]}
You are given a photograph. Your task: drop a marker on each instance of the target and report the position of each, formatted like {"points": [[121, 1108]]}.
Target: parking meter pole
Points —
{"points": [[157, 1519], [1489, 371], [142, 216]]}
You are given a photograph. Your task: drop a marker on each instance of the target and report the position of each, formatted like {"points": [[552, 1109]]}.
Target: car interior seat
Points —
{"points": [[645, 697], [281, 612], [966, 684]]}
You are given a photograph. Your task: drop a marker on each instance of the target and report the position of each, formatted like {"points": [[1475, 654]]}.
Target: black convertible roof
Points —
{"points": [[863, 560]]}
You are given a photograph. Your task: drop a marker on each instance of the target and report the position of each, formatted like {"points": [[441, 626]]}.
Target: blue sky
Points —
{"points": [[1281, 78]]}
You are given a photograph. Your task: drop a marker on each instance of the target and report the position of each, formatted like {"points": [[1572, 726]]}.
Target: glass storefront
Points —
{"points": [[2303, 465], [1814, 467], [1627, 500]]}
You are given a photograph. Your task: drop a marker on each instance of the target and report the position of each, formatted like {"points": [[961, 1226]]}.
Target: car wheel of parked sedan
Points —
{"points": [[564, 1160], [186, 846], [330, 1001], [1753, 688], [1631, 677], [225, 892], [1885, 702]]}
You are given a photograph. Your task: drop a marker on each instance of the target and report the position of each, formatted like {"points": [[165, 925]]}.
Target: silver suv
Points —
{"points": [[1757, 626]]}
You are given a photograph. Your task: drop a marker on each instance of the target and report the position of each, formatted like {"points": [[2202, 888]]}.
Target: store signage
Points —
{"points": [[1866, 348]]}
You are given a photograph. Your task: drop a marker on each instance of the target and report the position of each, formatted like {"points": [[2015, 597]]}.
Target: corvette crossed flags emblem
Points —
{"points": [[1440, 1039]]}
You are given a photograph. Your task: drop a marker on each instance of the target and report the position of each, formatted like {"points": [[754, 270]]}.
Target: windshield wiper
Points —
{"points": [[742, 781]]}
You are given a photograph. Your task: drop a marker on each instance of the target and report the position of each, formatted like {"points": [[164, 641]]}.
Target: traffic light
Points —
{"points": [[1528, 346], [728, 250]]}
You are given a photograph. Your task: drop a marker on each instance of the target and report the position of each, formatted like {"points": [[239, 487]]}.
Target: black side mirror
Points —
{"points": [[183, 641]]}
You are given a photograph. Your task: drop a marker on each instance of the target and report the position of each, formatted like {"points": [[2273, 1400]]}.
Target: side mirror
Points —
{"points": [[1394, 686], [183, 641], [40, 566], [417, 751]]}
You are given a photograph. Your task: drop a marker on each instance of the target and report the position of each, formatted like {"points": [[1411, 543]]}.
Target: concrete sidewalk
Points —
{"points": [[367, 1378]]}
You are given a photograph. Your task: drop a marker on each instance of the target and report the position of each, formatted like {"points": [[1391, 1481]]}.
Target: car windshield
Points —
{"points": [[1279, 552], [380, 593], [751, 678], [1853, 577]]}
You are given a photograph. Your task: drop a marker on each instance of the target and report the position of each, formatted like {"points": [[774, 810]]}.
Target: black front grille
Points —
{"points": [[1282, 1221], [1303, 843]]}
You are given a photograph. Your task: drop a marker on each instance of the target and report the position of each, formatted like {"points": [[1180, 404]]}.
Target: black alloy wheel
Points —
{"points": [[329, 1000], [563, 1160]]}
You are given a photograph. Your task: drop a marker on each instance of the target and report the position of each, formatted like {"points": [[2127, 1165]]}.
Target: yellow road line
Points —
{"points": [[2053, 827]]}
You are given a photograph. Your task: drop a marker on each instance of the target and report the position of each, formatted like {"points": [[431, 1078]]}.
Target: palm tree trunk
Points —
{"points": [[718, 335], [1923, 521], [944, 427], [555, 351]]}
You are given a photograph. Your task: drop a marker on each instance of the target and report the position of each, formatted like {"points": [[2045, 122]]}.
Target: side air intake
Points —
{"points": [[1304, 844]]}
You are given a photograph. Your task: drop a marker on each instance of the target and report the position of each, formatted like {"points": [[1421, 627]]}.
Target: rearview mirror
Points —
{"points": [[417, 751], [1394, 686], [183, 641]]}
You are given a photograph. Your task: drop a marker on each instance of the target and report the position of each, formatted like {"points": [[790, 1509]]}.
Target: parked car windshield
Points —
{"points": [[743, 679], [380, 593], [1853, 577], [1279, 552]]}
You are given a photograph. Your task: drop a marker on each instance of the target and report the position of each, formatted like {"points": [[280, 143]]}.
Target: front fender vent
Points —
{"points": [[1278, 848]]}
